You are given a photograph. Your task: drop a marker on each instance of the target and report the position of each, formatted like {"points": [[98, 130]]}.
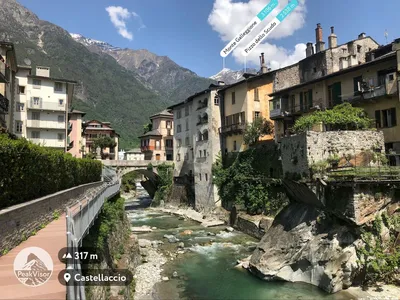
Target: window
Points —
{"points": [[186, 111], [35, 134], [233, 98], [206, 176], [378, 121], [242, 117], [234, 146], [178, 157], [358, 48], [36, 100], [292, 103], [36, 83], [204, 153], [60, 137], [257, 114], [200, 152], [200, 176], [334, 94], [315, 70], [357, 83], [178, 128], [60, 118], [186, 156], [179, 142], [391, 77], [216, 100], [21, 89], [35, 115], [58, 86], [187, 141], [169, 143], [18, 126], [60, 102], [187, 125], [178, 114], [158, 145], [168, 124], [389, 117], [256, 95], [20, 106]]}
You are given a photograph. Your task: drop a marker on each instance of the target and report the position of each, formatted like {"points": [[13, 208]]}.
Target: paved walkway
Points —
{"points": [[52, 238]]}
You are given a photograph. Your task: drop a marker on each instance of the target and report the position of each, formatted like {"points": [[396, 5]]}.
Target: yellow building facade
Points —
{"points": [[242, 103]]}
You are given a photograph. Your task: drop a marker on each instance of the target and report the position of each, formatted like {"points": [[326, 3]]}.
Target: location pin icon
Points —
{"points": [[67, 277]]}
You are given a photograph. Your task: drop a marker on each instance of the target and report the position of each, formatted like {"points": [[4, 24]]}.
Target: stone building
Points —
{"points": [[197, 144], [8, 69], [157, 144], [242, 103], [372, 85], [41, 107]]}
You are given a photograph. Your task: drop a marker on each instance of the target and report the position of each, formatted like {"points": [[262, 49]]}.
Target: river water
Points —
{"points": [[207, 268]]}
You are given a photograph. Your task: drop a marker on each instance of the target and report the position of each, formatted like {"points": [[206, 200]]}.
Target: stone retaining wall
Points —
{"points": [[18, 222]]}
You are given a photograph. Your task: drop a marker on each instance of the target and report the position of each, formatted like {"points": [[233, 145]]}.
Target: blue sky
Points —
{"points": [[189, 31]]}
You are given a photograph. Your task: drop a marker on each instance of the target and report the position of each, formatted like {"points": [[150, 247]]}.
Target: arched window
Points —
{"points": [[205, 135]]}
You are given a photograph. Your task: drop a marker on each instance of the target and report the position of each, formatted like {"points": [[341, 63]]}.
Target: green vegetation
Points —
{"points": [[56, 215], [103, 143], [166, 174], [380, 256], [129, 182], [341, 117], [254, 131], [245, 182], [28, 171], [147, 127]]}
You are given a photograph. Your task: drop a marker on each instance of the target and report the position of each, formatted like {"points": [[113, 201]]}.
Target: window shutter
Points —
{"points": [[301, 101], [310, 100], [337, 92], [378, 119], [393, 114]]}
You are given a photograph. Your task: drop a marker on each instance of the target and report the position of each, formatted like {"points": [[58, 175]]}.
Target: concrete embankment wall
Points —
{"points": [[19, 221]]}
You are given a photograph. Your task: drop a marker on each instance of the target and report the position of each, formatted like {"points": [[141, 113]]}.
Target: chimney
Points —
{"points": [[264, 68], [221, 82], [361, 35], [332, 39], [309, 49], [320, 45]]}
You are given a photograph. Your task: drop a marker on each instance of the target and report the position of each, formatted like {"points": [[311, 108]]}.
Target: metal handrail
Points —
{"points": [[80, 217]]}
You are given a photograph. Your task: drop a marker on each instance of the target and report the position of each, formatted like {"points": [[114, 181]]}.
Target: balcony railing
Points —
{"points": [[239, 127], [4, 104], [54, 143], [149, 148], [378, 91], [288, 110], [46, 105], [45, 124]]}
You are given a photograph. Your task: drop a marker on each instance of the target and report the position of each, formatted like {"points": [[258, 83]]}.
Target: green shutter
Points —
{"points": [[310, 101], [301, 101], [336, 93]]}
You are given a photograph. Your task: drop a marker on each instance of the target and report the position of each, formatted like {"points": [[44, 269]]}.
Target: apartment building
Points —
{"points": [[41, 107], [8, 69], [75, 145], [197, 144], [157, 144], [372, 85], [95, 129], [242, 103]]}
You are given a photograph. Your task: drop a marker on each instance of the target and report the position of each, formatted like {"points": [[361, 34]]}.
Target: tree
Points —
{"points": [[254, 131], [341, 117], [147, 127], [102, 143]]}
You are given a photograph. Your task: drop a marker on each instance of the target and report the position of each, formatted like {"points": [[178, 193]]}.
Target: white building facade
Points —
{"points": [[197, 144], [41, 108]]}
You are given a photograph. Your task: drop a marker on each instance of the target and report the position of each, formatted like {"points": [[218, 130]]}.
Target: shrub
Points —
{"points": [[129, 182], [29, 171]]}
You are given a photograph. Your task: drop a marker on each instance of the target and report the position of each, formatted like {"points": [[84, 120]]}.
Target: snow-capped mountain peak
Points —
{"points": [[230, 76], [89, 42]]}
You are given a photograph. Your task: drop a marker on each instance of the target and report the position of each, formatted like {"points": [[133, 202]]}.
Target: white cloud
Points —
{"points": [[229, 17], [119, 16]]}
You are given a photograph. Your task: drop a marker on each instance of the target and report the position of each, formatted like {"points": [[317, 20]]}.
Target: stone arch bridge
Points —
{"points": [[123, 167]]}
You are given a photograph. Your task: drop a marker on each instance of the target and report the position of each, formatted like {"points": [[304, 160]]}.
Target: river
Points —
{"points": [[205, 267]]}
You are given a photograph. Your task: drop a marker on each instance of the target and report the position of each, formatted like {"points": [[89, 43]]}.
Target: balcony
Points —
{"points": [[41, 105], [45, 124], [4, 104], [285, 110], [232, 129], [53, 143], [149, 148], [373, 93]]}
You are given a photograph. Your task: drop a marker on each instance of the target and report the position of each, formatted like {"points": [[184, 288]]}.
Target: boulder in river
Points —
{"points": [[186, 232], [171, 238], [229, 229], [143, 243], [304, 245]]}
